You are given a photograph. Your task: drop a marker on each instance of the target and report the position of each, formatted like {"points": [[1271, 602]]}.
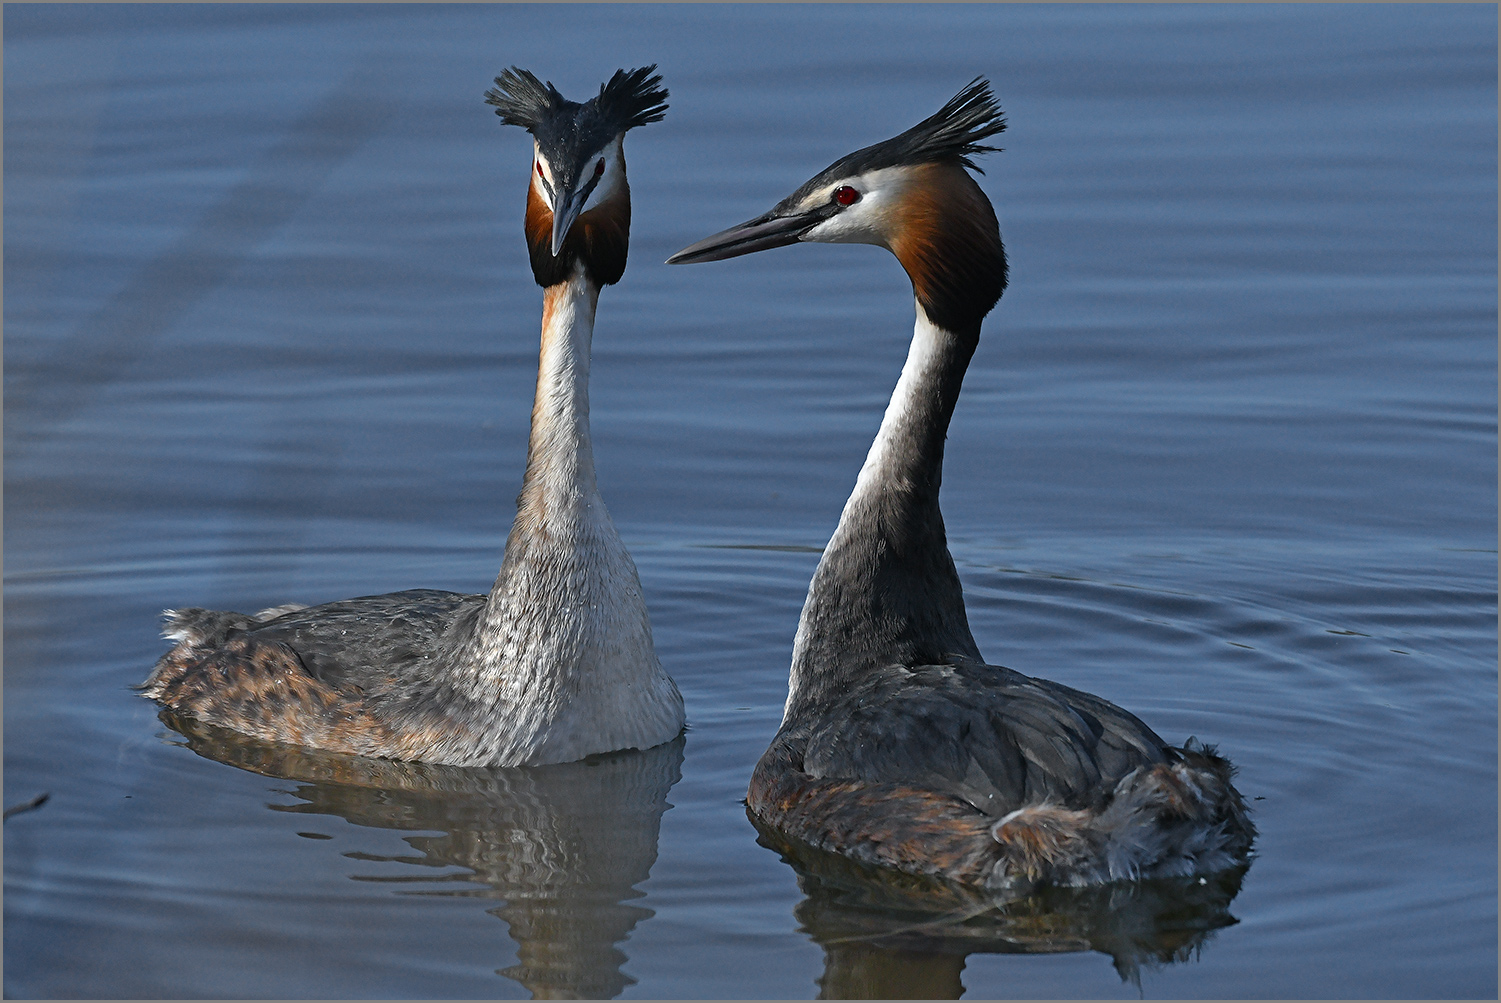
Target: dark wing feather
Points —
{"points": [[1125, 741], [375, 643], [990, 736]]}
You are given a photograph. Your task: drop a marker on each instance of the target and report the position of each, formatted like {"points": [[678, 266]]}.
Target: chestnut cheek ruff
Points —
{"points": [[948, 240], [600, 240]]}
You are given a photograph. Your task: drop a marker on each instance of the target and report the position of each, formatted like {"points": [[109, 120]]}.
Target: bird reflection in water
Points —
{"points": [[890, 935], [563, 846]]}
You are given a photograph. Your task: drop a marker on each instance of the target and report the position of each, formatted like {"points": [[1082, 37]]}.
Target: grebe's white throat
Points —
{"points": [[564, 645]]}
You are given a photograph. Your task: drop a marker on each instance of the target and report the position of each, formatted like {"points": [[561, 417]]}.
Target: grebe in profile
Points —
{"points": [[557, 662], [899, 745]]}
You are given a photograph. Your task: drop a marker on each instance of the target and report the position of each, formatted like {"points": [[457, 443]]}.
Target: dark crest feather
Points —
{"points": [[630, 98], [521, 99], [954, 132]]}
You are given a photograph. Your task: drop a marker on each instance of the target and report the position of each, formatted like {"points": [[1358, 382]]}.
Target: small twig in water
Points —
{"points": [[35, 802]]}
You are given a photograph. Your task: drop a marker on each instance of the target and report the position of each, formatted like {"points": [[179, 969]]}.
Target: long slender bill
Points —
{"points": [[757, 234], [563, 217]]}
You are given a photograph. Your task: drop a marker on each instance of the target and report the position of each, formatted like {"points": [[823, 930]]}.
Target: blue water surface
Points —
{"points": [[1226, 455]]}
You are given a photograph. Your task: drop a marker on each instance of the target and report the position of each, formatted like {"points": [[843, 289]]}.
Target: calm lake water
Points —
{"points": [[1226, 455]]}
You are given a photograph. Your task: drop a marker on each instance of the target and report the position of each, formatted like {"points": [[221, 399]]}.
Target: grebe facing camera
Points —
{"points": [[557, 662]]}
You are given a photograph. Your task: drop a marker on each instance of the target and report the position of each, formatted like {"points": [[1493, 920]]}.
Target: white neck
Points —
{"points": [[562, 653], [886, 589], [895, 451], [560, 461]]}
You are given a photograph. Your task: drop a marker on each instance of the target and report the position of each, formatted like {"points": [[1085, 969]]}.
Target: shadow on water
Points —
{"points": [[888, 935], [563, 846]]}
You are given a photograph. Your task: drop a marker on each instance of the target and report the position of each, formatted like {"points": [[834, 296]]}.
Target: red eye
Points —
{"points": [[599, 168], [539, 170], [845, 195]]}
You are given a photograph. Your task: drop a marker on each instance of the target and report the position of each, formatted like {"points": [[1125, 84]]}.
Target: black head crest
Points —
{"points": [[521, 99], [631, 98], [954, 132]]}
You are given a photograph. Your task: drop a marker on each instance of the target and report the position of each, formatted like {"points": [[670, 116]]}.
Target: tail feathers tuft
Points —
{"points": [[1172, 819], [199, 628], [1214, 774], [1045, 842]]}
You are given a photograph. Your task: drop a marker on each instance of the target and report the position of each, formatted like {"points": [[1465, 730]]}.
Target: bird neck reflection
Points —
{"points": [[563, 846]]}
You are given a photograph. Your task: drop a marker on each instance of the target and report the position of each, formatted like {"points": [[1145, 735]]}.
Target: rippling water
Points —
{"points": [[1226, 455]]}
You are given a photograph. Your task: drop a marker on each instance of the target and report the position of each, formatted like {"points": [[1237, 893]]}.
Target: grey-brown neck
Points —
{"points": [[886, 590]]}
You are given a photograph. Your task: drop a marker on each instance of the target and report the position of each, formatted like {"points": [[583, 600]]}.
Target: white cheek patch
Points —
{"points": [[867, 221], [862, 223], [845, 228], [602, 188], [542, 172], [608, 185], [817, 198], [611, 180]]}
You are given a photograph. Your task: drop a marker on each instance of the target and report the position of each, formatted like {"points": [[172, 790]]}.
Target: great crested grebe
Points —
{"points": [[899, 745], [557, 662]]}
